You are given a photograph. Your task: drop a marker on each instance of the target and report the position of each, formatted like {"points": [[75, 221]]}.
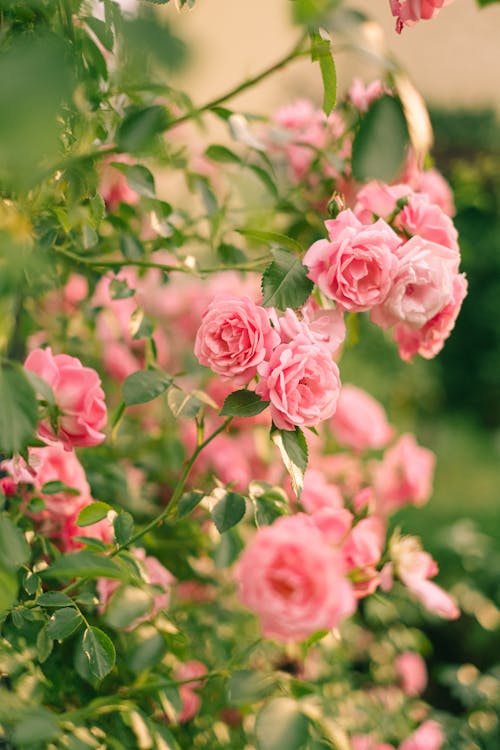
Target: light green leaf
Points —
{"points": [[284, 282], [123, 526], [99, 651], [93, 513], [321, 51], [14, 550], [272, 238], [8, 589], [243, 404], [222, 154], [55, 486]]}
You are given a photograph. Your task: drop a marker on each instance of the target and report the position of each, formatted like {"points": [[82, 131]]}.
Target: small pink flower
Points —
{"points": [[235, 336], [422, 286], [191, 701], [302, 383], [429, 340], [357, 265], [78, 396], [293, 580], [404, 475], [429, 736], [319, 493], [364, 545], [428, 220], [408, 12], [360, 421], [412, 673]]}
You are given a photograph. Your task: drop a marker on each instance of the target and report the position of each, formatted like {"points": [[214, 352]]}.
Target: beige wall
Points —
{"points": [[453, 60]]}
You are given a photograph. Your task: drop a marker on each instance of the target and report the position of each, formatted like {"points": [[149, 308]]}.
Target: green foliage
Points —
{"points": [[380, 144], [285, 283], [228, 512], [143, 386], [98, 649], [243, 404], [19, 413], [293, 448], [322, 53], [279, 724]]}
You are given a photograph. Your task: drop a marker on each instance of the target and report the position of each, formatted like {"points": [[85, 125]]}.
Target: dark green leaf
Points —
{"points": [[131, 247], [54, 599], [285, 283], [243, 404], [321, 51], [379, 147], [93, 513], [99, 651], [63, 622], [139, 128], [123, 526], [228, 511], [126, 605], [230, 255], [31, 582], [84, 564], [119, 289], [188, 502], [222, 154], [55, 486], [19, 412], [101, 30], [139, 178], [293, 448], [14, 550], [228, 549], [143, 386], [147, 651], [281, 724], [44, 645]]}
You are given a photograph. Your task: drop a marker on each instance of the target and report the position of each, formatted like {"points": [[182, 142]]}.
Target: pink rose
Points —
{"points": [[302, 383], [300, 133], [360, 421], [190, 700], [412, 673], [235, 336], [364, 545], [319, 493], [78, 396], [377, 200], [429, 340], [408, 12], [334, 523], [54, 463], [429, 736], [428, 220], [356, 266], [422, 286], [432, 183], [293, 580], [404, 475], [325, 327]]}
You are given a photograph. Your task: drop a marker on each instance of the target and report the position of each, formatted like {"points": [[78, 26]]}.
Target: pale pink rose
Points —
{"points": [[365, 498], [422, 286], [408, 12], [343, 469], [404, 475], [302, 383], [113, 184], [429, 340], [157, 575], [293, 580], [190, 700], [411, 672], [360, 421], [319, 493], [362, 95], [377, 200], [234, 338], [429, 736], [432, 183], [414, 567], [299, 131], [334, 523], [325, 327], [78, 396], [428, 220], [54, 463], [364, 545], [357, 265]]}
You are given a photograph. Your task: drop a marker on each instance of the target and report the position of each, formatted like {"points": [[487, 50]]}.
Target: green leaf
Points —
{"points": [[293, 448], [243, 404], [284, 282], [55, 486], [247, 686], [101, 30], [83, 564], [147, 651], [379, 147], [143, 386], [188, 502], [63, 623], [228, 549], [119, 289], [230, 255], [126, 605], [183, 404], [123, 526], [265, 178], [19, 412], [321, 51], [281, 724], [8, 589], [93, 513], [139, 128], [222, 154], [44, 645], [99, 651], [139, 178], [14, 550], [272, 238], [54, 599], [36, 726], [131, 247], [228, 511]]}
